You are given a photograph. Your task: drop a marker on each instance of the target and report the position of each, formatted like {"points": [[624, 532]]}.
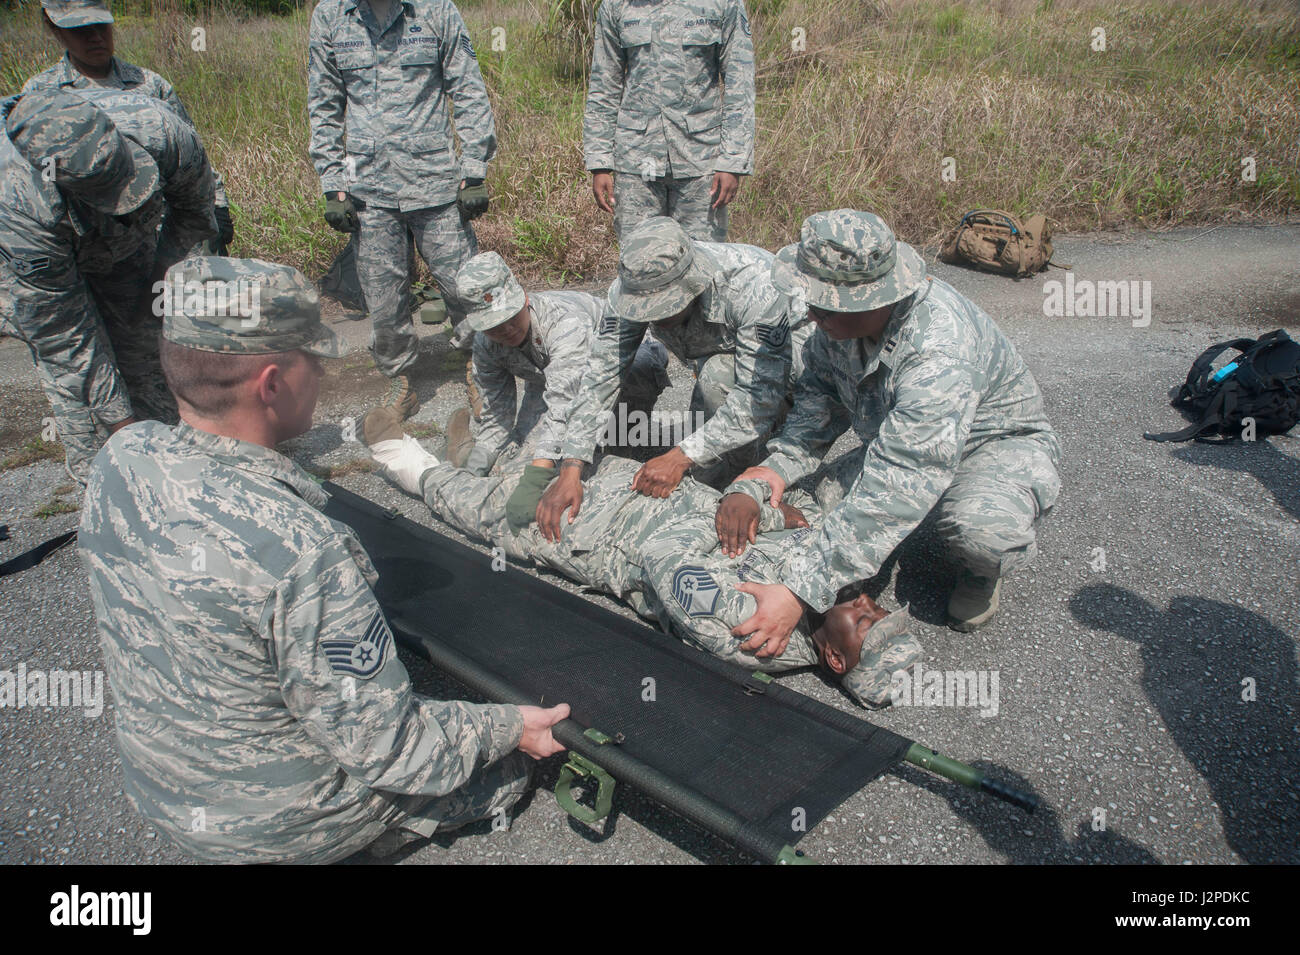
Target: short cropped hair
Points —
{"points": [[205, 380]]}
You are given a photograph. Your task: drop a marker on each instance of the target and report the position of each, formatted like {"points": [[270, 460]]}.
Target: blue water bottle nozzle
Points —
{"points": [[1224, 372]]}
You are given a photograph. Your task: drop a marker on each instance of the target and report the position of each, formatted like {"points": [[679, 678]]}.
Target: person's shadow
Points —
{"points": [[1278, 472], [1036, 839], [1225, 683]]}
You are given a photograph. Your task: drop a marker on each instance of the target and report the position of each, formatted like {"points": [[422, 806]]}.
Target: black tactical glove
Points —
{"points": [[225, 229], [521, 508], [341, 214], [472, 199]]}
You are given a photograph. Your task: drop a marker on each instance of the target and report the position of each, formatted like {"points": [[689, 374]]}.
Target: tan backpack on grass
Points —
{"points": [[997, 241]]}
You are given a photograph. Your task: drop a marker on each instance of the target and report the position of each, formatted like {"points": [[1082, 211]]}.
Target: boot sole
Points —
{"points": [[971, 624], [459, 454]]}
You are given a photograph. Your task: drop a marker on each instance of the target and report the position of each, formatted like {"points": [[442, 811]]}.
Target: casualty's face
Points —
{"points": [[844, 629]]}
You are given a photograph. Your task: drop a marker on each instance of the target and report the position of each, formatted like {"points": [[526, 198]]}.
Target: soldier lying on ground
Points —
{"points": [[262, 713], [661, 555]]}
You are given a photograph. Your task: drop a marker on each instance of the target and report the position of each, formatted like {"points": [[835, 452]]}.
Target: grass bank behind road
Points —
{"points": [[859, 104]]}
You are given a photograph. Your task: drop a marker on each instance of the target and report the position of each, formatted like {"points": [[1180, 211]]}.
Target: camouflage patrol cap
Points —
{"points": [[848, 261], [488, 292], [71, 14], [886, 649], [243, 306], [660, 272], [92, 160]]}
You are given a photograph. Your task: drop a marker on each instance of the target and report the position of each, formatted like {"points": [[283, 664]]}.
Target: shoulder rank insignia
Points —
{"points": [[608, 324], [25, 267], [775, 336], [696, 591], [362, 657], [467, 46]]}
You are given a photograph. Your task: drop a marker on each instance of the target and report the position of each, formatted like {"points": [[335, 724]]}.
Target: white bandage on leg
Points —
{"points": [[404, 462]]}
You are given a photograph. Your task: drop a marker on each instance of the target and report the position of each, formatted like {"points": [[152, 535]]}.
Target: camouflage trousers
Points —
{"points": [[686, 200], [444, 240], [488, 794], [988, 517], [124, 301], [640, 388]]}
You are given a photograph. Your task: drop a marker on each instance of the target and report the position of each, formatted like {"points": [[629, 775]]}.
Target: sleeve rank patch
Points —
{"points": [[696, 591], [775, 336], [362, 657]]}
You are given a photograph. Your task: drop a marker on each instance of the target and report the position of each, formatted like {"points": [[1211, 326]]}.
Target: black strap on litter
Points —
{"points": [[31, 558], [757, 769]]}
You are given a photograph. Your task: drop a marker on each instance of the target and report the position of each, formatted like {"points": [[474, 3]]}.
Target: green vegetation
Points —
{"points": [[55, 505], [858, 104], [31, 452]]}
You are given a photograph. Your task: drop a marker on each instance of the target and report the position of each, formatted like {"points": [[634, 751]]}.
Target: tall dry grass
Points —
{"points": [[1149, 133]]}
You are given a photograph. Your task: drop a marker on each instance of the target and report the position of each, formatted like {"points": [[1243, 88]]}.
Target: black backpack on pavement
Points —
{"points": [[1262, 383]]}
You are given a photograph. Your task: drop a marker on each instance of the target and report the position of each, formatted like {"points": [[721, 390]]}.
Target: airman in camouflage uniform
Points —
{"points": [[84, 27], [262, 712], [661, 555], [381, 141], [86, 180], [542, 339], [948, 414], [670, 111], [714, 306]]}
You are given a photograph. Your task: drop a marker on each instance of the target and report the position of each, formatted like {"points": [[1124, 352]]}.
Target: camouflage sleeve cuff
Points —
{"points": [[114, 411], [810, 587], [599, 162], [473, 168], [770, 518], [758, 490], [785, 467], [699, 449], [333, 184], [576, 454], [503, 728]]}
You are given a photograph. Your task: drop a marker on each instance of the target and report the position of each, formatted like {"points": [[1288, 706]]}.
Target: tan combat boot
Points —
{"points": [[459, 441], [383, 423], [402, 457], [974, 601], [401, 396]]}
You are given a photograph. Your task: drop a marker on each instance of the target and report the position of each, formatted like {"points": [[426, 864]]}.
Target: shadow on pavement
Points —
{"points": [[1202, 659], [1025, 839], [1278, 472]]}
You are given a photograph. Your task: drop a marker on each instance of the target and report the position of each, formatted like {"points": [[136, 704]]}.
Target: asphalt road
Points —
{"points": [[1120, 684]]}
